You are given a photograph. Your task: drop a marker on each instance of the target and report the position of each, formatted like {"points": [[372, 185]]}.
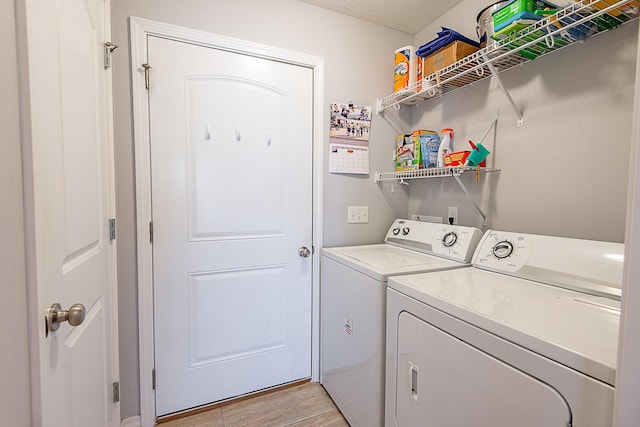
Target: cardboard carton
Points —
{"points": [[446, 56]]}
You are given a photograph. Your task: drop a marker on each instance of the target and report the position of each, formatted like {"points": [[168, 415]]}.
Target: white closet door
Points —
{"points": [[69, 193]]}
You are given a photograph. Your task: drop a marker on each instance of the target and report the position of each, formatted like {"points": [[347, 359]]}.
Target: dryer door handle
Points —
{"points": [[414, 375]]}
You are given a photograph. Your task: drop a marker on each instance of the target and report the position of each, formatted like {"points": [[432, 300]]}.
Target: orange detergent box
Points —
{"points": [[456, 159]]}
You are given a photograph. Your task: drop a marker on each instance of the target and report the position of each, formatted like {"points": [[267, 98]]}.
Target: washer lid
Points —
{"points": [[384, 260], [573, 328]]}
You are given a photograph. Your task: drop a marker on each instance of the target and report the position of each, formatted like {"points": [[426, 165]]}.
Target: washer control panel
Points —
{"points": [[503, 251], [456, 242]]}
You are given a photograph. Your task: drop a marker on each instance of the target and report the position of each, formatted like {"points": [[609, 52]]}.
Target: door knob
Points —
{"points": [[55, 316], [304, 252]]}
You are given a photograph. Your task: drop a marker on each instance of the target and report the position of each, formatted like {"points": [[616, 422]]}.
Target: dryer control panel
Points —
{"points": [[503, 251], [588, 266]]}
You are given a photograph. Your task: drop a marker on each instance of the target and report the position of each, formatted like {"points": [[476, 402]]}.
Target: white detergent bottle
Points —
{"points": [[446, 145]]}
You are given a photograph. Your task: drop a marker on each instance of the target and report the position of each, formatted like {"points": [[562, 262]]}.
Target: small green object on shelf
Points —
{"points": [[606, 22], [512, 32]]}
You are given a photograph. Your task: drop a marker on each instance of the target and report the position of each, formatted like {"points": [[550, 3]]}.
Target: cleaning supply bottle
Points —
{"points": [[446, 145]]}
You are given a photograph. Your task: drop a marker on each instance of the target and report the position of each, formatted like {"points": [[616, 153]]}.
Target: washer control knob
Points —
{"points": [[503, 249], [450, 239], [405, 231], [396, 231]]}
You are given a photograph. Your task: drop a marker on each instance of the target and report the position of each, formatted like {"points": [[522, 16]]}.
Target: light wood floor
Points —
{"points": [[306, 405]]}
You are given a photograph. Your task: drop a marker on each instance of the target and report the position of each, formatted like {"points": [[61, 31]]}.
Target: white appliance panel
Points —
{"points": [[538, 316], [352, 351], [353, 296], [450, 383], [590, 401], [576, 329]]}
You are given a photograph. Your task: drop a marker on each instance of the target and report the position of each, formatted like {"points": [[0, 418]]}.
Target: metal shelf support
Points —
{"points": [[494, 72], [475, 205]]}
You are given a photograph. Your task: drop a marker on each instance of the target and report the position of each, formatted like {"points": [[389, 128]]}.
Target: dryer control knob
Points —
{"points": [[396, 231], [502, 249], [405, 231], [450, 239]]}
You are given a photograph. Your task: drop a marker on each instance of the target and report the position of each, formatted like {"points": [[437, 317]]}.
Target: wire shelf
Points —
{"points": [[567, 26], [449, 171]]}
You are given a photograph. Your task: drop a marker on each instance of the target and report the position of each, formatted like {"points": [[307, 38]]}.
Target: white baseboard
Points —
{"points": [[131, 422]]}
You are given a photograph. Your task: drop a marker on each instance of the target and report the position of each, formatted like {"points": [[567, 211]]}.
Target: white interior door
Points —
{"points": [[69, 196], [231, 144]]}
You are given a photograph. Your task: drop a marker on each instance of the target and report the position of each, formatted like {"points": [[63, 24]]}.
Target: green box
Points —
{"points": [[517, 10]]}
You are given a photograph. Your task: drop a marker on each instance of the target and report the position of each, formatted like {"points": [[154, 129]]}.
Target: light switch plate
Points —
{"points": [[357, 214]]}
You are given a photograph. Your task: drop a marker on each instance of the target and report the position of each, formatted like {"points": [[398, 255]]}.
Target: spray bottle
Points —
{"points": [[446, 145]]}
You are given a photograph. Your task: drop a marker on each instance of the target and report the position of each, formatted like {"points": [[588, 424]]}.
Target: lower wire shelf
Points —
{"points": [[430, 173]]}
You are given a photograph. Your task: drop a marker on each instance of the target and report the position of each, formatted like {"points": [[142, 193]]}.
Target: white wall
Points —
{"points": [[14, 356], [358, 67], [565, 172]]}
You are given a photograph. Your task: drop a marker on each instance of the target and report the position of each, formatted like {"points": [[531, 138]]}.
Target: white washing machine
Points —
{"points": [[527, 337], [353, 295]]}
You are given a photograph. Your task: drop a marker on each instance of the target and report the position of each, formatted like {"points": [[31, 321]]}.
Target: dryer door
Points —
{"points": [[442, 382]]}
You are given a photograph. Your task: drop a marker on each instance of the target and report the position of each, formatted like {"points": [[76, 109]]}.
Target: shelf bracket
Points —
{"points": [[486, 132], [379, 109], [494, 72], [475, 205]]}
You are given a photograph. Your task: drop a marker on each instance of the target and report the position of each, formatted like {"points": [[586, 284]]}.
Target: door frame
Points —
{"points": [[628, 372], [140, 29]]}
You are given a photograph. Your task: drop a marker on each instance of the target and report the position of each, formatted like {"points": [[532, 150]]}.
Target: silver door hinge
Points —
{"points": [[116, 392], [108, 50], [147, 71], [153, 378], [112, 229], [151, 232]]}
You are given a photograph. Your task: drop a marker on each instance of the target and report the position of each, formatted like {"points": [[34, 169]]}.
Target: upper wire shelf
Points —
{"points": [[567, 26]]}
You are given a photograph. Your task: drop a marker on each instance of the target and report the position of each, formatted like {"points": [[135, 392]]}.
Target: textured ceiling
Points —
{"points": [[409, 16]]}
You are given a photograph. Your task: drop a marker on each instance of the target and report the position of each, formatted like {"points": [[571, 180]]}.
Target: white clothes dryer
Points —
{"points": [[353, 297], [527, 337]]}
